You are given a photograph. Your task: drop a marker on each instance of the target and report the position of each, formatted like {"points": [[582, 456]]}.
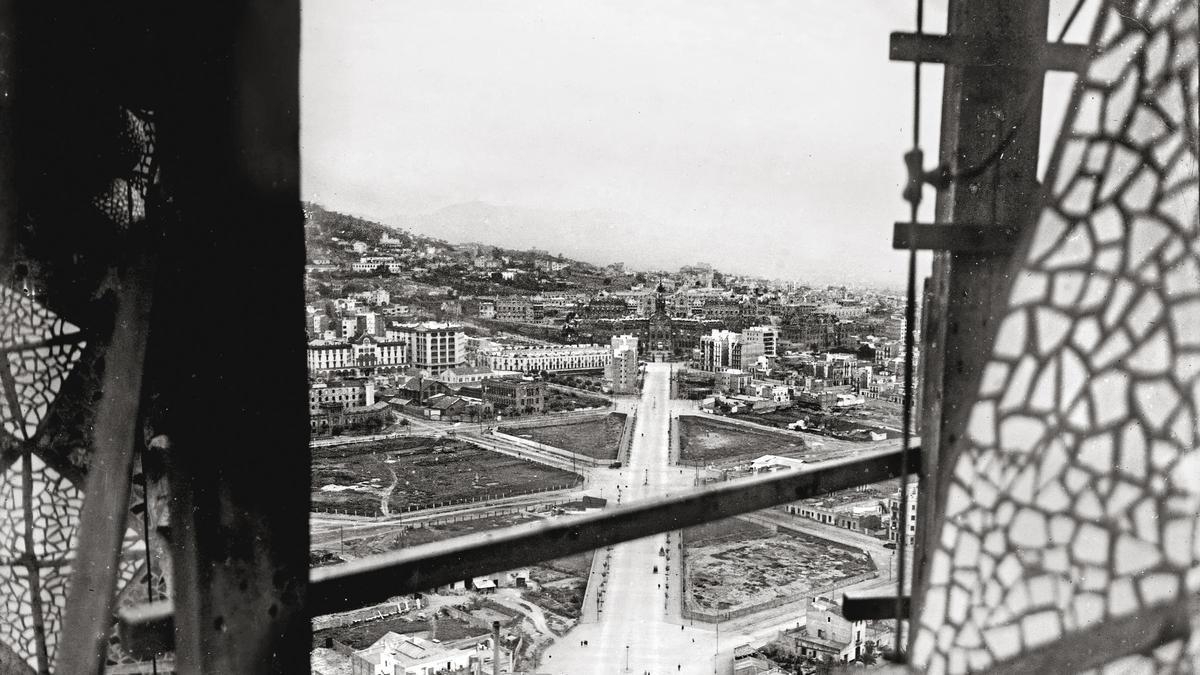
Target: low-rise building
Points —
{"points": [[829, 635], [521, 396], [337, 405], [395, 654], [731, 381], [464, 374]]}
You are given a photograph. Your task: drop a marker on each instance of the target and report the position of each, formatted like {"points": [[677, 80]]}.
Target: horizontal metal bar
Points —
{"points": [[961, 50], [868, 607], [378, 577], [964, 238], [1114, 638], [147, 630]]}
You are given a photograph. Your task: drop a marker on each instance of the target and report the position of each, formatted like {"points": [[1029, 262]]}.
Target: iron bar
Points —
{"points": [[378, 577], [875, 607], [962, 238]]}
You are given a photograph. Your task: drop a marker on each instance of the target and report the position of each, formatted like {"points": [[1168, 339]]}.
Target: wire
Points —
{"points": [[909, 315], [146, 542], [978, 168], [1062, 35]]}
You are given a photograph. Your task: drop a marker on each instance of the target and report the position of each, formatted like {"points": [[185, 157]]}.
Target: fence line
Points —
{"points": [[717, 616], [413, 508]]}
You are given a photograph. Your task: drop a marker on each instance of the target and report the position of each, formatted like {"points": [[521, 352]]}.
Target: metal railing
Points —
{"points": [[149, 629]]}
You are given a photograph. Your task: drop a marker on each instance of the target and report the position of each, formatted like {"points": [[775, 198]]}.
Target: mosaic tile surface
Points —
{"points": [[1077, 497]]}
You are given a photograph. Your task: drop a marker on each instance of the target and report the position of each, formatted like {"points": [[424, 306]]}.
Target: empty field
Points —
{"points": [[599, 438], [402, 474], [733, 565], [706, 440]]}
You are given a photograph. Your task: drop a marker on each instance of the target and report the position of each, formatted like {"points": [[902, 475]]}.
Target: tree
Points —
{"points": [[869, 656]]}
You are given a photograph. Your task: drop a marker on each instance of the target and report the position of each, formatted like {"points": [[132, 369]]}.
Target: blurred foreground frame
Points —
{"points": [[149, 179]]}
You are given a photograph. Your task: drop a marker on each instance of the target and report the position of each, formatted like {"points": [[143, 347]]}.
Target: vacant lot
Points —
{"points": [[730, 529], [599, 438], [402, 474], [406, 535], [363, 635], [706, 440], [850, 424], [558, 400], [734, 566]]}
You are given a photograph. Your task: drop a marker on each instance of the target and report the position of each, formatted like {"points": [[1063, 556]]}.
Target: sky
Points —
{"points": [[761, 136]]}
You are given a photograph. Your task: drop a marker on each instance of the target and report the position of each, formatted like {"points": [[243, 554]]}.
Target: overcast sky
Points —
{"points": [[767, 135]]}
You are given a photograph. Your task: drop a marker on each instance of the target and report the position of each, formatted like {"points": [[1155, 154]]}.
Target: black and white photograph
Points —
{"points": [[600, 337]]}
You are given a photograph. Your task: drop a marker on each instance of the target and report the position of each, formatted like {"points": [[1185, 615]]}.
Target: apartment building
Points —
{"points": [[550, 359]]}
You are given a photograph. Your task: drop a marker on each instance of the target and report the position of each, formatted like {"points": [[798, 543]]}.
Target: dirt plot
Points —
{"points": [[735, 565], [599, 438], [850, 424], [406, 473], [364, 635], [706, 440], [408, 535]]}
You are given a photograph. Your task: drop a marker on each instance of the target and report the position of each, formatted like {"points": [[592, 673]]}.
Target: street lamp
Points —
{"points": [[627, 658]]}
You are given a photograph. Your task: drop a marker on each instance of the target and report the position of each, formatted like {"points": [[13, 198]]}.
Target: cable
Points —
{"points": [[1070, 20], [942, 176], [146, 543], [914, 198]]}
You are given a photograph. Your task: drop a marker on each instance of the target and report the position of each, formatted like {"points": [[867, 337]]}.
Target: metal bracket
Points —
{"points": [[958, 50], [961, 238]]}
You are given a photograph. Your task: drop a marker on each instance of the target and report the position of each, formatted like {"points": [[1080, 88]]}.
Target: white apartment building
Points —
{"points": [[759, 341], [630, 341], [435, 347], [895, 522], [550, 359], [720, 349], [367, 352], [623, 370]]}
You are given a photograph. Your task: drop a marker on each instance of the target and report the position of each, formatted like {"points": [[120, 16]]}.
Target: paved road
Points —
{"points": [[634, 625]]}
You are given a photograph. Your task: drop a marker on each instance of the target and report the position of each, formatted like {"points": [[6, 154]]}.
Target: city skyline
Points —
{"points": [[765, 139]]}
